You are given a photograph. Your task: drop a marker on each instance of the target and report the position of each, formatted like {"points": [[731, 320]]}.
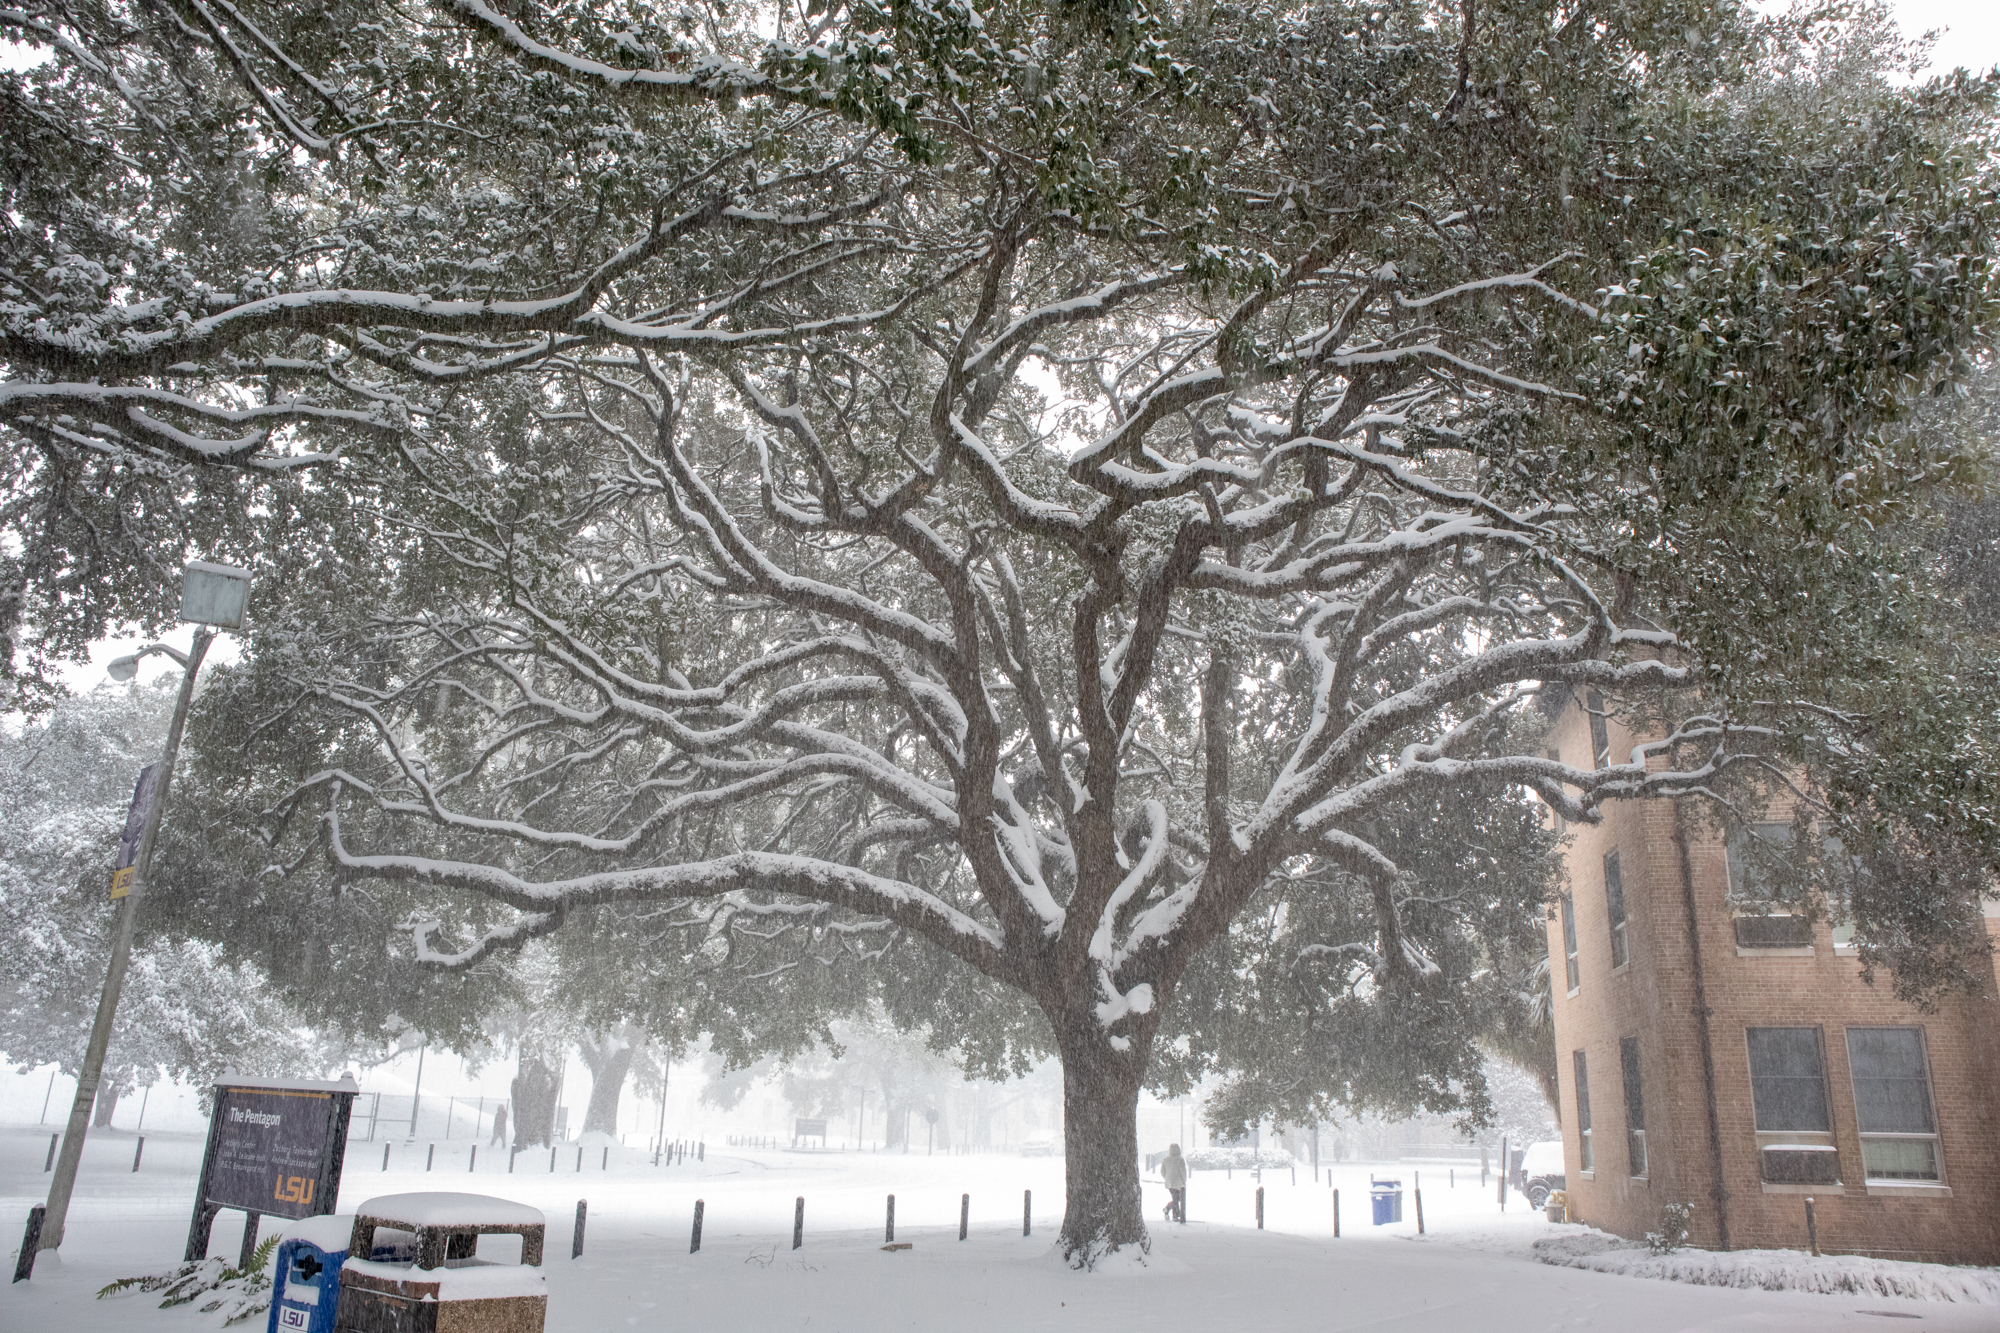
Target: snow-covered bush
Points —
{"points": [[1239, 1159], [1673, 1232]]}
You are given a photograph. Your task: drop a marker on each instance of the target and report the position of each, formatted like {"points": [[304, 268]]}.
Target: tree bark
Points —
{"points": [[609, 1063], [1102, 1210], [107, 1102], [534, 1096]]}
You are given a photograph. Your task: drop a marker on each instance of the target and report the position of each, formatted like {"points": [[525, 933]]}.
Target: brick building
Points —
{"points": [[1806, 1081]]}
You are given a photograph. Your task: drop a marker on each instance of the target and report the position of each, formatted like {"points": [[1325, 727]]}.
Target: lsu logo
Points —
{"points": [[294, 1189], [291, 1317]]}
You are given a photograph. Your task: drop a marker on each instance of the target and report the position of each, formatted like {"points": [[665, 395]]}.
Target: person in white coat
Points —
{"points": [[1173, 1171]]}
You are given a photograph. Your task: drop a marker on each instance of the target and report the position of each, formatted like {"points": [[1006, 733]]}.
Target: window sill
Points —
{"points": [[1622, 968], [1769, 1188], [1798, 951], [1586, 1175], [1915, 1189], [1573, 992]]}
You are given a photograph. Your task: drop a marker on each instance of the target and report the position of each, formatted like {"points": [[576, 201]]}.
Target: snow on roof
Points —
{"points": [[443, 1209], [345, 1084]]}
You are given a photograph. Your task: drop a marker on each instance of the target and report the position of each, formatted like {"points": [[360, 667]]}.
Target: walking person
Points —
{"points": [[1174, 1172], [500, 1125]]}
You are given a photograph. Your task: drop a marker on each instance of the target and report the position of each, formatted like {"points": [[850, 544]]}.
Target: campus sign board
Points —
{"points": [[273, 1147]]}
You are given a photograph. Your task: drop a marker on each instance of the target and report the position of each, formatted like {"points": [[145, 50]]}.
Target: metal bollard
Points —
{"points": [[576, 1241], [1260, 1207], [50, 1165], [1812, 1227], [605, 1165], [31, 1241], [799, 1222], [695, 1244], [964, 1213], [889, 1227], [472, 1160], [1336, 1214], [385, 1156], [1027, 1211], [1420, 1211], [579, 1156], [430, 1158], [138, 1153], [552, 1161]]}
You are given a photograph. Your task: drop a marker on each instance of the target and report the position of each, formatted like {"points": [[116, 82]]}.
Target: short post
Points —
{"points": [[430, 1158], [1027, 1211], [1295, 1173], [964, 1213], [1482, 1167], [1812, 1227], [576, 1241], [1420, 1211], [1336, 1212], [799, 1222], [31, 1241], [1260, 1207], [472, 1159], [605, 1165], [512, 1153], [1503, 1173], [385, 1156], [50, 1165], [249, 1247], [701, 1152], [552, 1161], [1451, 1178], [694, 1245], [579, 1156], [138, 1153], [889, 1227]]}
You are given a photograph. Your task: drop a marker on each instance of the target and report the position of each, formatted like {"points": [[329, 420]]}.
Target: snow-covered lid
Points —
{"points": [[345, 1084], [330, 1233], [211, 567], [444, 1209]]}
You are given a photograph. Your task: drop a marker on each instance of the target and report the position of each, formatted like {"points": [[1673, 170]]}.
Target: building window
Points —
{"points": [[1635, 1105], [1582, 1111], [1794, 1121], [1614, 902], [1761, 922], [1892, 1105], [1600, 735], [1569, 942]]}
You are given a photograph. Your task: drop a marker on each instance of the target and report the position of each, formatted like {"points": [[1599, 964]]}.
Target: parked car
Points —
{"points": [[1039, 1148], [1541, 1172]]}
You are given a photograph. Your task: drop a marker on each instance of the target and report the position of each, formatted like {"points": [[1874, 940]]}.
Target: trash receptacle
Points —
{"points": [[1387, 1198], [439, 1283], [305, 1288]]}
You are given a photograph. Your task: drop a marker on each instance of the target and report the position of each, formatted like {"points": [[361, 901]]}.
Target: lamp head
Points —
{"points": [[123, 668]]}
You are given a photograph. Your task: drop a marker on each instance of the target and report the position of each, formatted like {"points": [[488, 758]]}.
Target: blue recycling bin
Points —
{"points": [[1386, 1196], [305, 1290]]}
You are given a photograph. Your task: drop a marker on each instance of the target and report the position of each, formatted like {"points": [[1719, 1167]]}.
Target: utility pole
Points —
{"points": [[211, 596]]}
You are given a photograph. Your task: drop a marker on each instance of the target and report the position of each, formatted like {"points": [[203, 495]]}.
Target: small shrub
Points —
{"points": [[1673, 1232]]}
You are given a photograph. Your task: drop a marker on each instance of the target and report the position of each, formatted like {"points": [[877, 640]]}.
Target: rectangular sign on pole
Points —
{"points": [[135, 830], [273, 1147]]}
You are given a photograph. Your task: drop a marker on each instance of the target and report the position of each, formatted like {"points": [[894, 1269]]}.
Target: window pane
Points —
{"points": [[1900, 1159], [1788, 1080], [1801, 1165], [1891, 1089], [1635, 1102], [1746, 863], [1569, 940], [1614, 901], [1600, 737], [1773, 932], [1582, 1092]]}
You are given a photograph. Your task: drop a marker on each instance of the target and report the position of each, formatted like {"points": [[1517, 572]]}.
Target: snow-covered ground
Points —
{"points": [[1473, 1270]]}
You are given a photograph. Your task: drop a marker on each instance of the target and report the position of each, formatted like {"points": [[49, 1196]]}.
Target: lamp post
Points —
{"points": [[213, 597]]}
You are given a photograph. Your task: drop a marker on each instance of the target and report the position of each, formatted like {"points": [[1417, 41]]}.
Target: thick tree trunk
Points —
{"points": [[107, 1102], [609, 1066], [1101, 1145], [534, 1097]]}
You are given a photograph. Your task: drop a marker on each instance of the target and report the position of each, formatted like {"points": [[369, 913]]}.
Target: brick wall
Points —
{"points": [[1652, 999]]}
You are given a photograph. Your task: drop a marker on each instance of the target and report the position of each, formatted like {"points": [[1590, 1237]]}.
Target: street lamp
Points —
{"points": [[212, 597]]}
